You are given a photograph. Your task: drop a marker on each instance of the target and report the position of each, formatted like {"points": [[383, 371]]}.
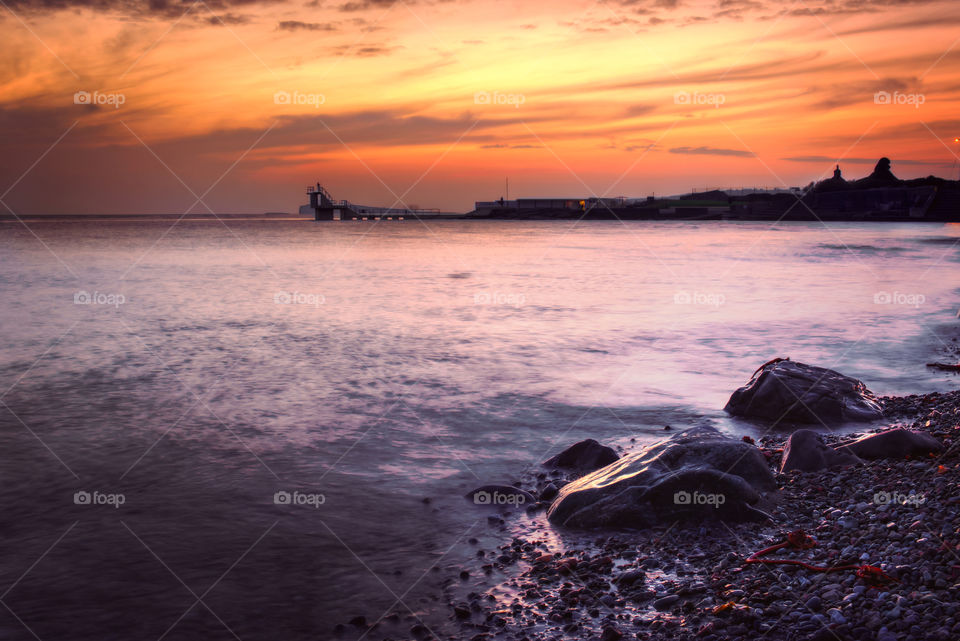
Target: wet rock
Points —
{"points": [[895, 443], [667, 602], [585, 456], [783, 390], [501, 496], [631, 577], [549, 492], [806, 451], [696, 474]]}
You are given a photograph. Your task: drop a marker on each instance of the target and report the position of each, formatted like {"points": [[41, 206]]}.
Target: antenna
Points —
{"points": [[507, 183]]}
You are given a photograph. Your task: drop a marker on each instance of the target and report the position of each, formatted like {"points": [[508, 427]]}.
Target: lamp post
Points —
{"points": [[956, 141]]}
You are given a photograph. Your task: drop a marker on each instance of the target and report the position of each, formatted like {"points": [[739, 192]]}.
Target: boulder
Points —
{"points": [[895, 443], [585, 456], [501, 496], [783, 390], [805, 451], [697, 474]]}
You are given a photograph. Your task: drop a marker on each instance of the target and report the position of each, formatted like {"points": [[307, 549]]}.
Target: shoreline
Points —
{"points": [[689, 580]]}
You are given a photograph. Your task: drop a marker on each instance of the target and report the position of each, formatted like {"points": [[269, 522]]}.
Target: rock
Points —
{"points": [[610, 633], [631, 577], [501, 496], [696, 474], [549, 492], [783, 390], [886, 635], [895, 443], [882, 176], [805, 451], [813, 603], [667, 602], [585, 456]]}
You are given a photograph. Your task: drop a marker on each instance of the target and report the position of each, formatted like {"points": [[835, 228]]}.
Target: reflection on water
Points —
{"points": [[381, 365]]}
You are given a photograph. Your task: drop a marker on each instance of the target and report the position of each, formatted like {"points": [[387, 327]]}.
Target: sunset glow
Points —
{"points": [[436, 104]]}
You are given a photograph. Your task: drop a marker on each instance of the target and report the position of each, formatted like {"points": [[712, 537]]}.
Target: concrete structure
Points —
{"points": [[323, 207]]}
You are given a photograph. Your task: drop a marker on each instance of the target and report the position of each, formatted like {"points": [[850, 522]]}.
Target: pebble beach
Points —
{"points": [[691, 580]]}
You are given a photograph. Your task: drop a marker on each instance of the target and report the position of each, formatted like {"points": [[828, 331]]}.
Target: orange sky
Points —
{"points": [[435, 103]]}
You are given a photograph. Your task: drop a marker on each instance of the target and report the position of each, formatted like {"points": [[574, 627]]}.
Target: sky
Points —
{"points": [[235, 106]]}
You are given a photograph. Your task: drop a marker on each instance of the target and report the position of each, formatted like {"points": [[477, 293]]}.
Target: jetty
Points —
{"points": [[322, 206]]}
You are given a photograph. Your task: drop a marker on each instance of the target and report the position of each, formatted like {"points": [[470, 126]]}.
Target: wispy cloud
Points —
{"points": [[712, 151], [298, 25]]}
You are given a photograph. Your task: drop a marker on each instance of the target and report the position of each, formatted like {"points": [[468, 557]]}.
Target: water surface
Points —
{"points": [[379, 365]]}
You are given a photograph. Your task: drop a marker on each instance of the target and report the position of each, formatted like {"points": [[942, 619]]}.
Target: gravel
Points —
{"points": [[690, 581]]}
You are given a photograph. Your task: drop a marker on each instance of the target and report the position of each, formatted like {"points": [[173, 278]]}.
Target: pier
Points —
{"points": [[324, 207]]}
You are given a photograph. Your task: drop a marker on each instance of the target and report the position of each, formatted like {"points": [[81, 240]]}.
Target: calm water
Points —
{"points": [[377, 365]]}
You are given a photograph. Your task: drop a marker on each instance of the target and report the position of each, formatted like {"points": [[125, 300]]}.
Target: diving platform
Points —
{"points": [[324, 207]]}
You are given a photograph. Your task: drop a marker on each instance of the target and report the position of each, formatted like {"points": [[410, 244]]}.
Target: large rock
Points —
{"points": [[805, 451], [585, 456], [785, 391], [895, 443], [698, 473]]}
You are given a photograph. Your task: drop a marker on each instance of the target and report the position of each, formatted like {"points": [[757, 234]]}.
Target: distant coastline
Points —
{"points": [[878, 197]]}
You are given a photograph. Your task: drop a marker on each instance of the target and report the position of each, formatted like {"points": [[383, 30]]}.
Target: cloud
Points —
{"points": [[363, 5], [938, 21], [227, 19], [162, 8], [503, 146], [633, 111], [856, 161], [735, 9], [858, 93], [364, 52], [297, 25], [712, 151]]}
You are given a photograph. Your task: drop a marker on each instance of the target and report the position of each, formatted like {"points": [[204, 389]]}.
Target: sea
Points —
{"points": [[260, 429]]}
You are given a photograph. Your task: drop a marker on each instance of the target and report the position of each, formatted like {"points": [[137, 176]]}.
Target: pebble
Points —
{"points": [[836, 616], [667, 602]]}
